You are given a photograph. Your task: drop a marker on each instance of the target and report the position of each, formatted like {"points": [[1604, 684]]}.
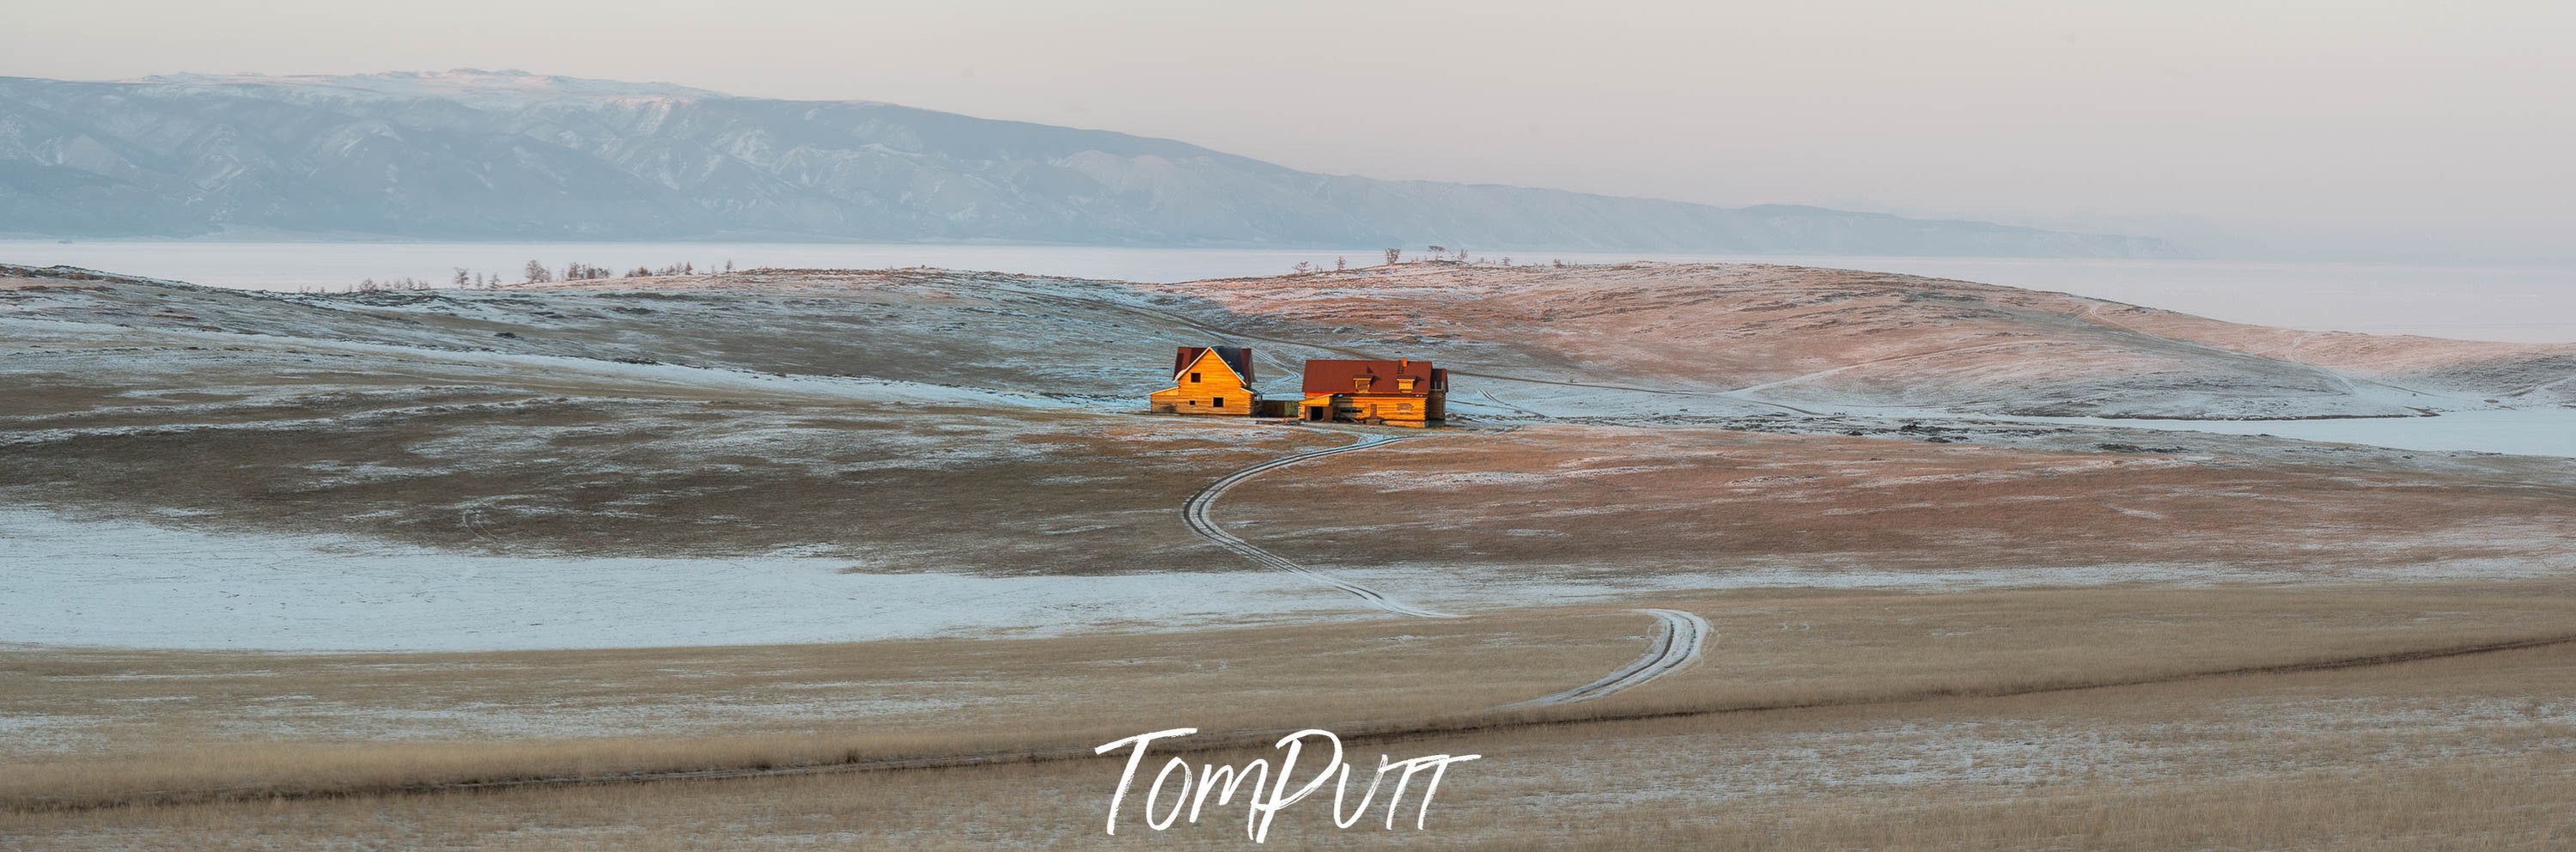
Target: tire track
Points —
{"points": [[1498, 401], [1679, 637], [1194, 512]]}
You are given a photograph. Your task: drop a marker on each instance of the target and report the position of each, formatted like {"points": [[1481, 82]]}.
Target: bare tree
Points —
{"points": [[728, 264], [1462, 255], [1507, 260], [460, 278], [537, 273], [1393, 255], [1303, 267], [1437, 251], [1341, 263]]}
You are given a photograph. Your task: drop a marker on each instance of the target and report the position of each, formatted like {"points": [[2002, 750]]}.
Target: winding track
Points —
{"points": [[1194, 512], [1678, 638], [1679, 635]]}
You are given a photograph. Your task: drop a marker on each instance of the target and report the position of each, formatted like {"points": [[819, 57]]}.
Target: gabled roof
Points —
{"points": [[1326, 376], [1236, 358]]}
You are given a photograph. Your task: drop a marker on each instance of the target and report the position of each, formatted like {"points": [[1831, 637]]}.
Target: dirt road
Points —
{"points": [[1194, 512], [1679, 636]]}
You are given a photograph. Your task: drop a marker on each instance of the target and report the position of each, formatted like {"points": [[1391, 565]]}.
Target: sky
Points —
{"points": [[2356, 129]]}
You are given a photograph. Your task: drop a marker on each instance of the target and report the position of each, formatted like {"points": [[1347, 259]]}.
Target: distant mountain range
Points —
{"points": [[510, 155]]}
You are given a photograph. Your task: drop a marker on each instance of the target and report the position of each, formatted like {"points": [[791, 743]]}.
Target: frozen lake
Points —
{"points": [[132, 584], [2518, 303], [123, 583]]}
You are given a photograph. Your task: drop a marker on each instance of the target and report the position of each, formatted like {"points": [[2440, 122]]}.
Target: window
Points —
{"points": [[1220, 402], [1405, 407], [1360, 383], [1404, 384], [1194, 378]]}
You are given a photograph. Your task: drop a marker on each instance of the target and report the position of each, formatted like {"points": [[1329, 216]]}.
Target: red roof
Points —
{"points": [[1340, 376]]}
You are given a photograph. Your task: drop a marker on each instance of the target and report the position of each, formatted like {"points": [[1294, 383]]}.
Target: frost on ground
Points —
{"points": [[696, 459], [2003, 751], [1675, 505], [1718, 339]]}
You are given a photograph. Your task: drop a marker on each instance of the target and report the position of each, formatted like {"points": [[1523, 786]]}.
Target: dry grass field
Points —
{"points": [[162, 725], [1805, 336], [2024, 719], [1925, 631], [440, 449], [1629, 502]]}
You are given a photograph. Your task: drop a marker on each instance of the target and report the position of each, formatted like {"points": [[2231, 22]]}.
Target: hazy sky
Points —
{"points": [[2348, 127]]}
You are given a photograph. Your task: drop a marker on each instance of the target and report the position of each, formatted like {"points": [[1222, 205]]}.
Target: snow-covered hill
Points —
{"points": [[475, 154]]}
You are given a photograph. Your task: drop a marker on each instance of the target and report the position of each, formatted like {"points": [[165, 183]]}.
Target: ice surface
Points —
{"points": [[132, 584]]}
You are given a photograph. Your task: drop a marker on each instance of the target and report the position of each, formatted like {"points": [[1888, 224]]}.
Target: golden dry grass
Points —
{"points": [[378, 722], [2464, 753], [1784, 648], [1832, 335], [1571, 499], [152, 724]]}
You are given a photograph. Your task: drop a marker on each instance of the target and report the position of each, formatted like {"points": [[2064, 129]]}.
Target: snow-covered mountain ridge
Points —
{"points": [[479, 154]]}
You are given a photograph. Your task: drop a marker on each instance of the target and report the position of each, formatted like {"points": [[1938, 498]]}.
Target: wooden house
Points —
{"points": [[1402, 392], [1209, 380]]}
